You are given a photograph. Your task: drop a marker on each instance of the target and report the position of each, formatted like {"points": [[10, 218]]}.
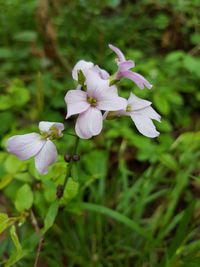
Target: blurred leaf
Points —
{"points": [[15, 239], [161, 103], [5, 102], [24, 198], [5, 52], [4, 222], [51, 216], [113, 3], [5, 180], [71, 189], [169, 161], [13, 164], [25, 36]]}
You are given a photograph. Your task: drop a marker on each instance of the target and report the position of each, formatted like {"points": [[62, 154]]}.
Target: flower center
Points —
{"points": [[92, 101], [54, 134], [128, 108]]}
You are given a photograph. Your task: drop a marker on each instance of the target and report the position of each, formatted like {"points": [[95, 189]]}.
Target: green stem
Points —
{"points": [[69, 167]]}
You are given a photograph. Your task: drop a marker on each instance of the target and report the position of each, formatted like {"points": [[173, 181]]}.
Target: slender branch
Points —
{"points": [[40, 237]]}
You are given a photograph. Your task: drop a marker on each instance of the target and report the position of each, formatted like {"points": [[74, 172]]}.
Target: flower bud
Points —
{"points": [[59, 192], [67, 157], [76, 157]]}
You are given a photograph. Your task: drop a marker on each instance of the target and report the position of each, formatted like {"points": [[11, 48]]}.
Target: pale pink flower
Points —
{"points": [[37, 145], [99, 96], [124, 71], [86, 66], [141, 113]]}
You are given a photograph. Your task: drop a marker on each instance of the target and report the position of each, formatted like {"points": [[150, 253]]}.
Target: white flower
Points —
{"points": [[37, 145], [141, 113]]}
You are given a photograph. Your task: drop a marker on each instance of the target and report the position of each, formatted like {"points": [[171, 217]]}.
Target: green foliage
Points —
{"points": [[131, 199], [24, 198]]}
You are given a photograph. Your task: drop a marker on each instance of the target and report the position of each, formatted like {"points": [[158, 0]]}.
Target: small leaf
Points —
{"points": [[71, 189], [51, 216], [4, 222], [15, 238], [5, 180], [24, 198]]}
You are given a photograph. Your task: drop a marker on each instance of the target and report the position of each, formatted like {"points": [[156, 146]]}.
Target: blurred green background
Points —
{"points": [[133, 201]]}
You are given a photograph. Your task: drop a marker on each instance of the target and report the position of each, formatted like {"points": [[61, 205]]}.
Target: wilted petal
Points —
{"points": [[46, 157], [47, 126], [118, 52], [144, 125], [126, 65], [89, 123], [25, 146], [76, 101], [81, 65], [137, 103], [111, 102], [137, 78]]}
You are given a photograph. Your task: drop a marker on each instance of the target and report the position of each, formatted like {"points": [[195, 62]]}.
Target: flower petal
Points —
{"points": [[76, 101], [118, 52], [102, 73], [46, 157], [137, 103], [45, 126], [89, 123], [95, 85], [81, 65], [25, 146], [149, 112], [137, 78], [126, 65], [144, 125], [111, 102]]}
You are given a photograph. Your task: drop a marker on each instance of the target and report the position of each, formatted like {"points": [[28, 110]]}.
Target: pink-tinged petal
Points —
{"points": [[126, 65], [81, 65], [149, 112], [136, 77], [76, 101], [144, 125], [89, 123], [95, 85], [46, 157], [45, 126], [111, 102], [118, 52], [25, 146], [102, 73], [137, 103]]}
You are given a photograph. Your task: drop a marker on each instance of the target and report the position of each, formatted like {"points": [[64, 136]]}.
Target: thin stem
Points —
{"points": [[41, 240], [69, 168]]}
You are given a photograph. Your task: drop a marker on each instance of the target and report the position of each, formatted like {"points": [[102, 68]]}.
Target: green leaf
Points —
{"points": [[4, 222], [24, 198], [51, 216], [15, 238], [5, 180], [13, 164], [25, 36], [71, 189], [5, 102]]}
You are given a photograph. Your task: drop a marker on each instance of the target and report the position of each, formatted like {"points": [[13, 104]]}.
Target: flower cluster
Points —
{"points": [[96, 92]]}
